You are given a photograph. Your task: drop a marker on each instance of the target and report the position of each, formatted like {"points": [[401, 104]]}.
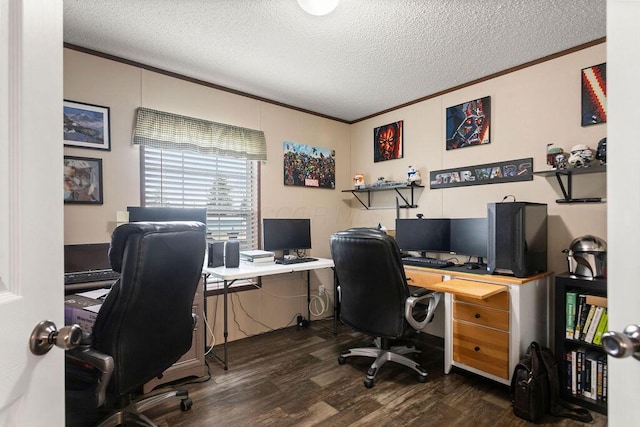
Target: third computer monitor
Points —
{"points": [[469, 236], [423, 235]]}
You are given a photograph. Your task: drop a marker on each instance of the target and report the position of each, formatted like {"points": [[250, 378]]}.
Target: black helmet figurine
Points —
{"points": [[601, 152]]}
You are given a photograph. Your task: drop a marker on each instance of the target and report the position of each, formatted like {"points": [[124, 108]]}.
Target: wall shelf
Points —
{"points": [[567, 190], [407, 203]]}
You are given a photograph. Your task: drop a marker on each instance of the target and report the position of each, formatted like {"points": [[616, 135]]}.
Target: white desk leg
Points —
{"points": [[309, 296], [448, 332], [226, 326]]}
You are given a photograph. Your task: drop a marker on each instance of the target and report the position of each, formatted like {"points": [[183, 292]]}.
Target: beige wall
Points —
{"points": [[123, 88], [529, 109]]}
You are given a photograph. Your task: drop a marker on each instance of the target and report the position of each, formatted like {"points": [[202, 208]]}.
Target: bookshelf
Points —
{"points": [[577, 354]]}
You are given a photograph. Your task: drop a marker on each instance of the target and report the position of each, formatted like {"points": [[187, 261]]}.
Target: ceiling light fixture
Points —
{"points": [[318, 7]]}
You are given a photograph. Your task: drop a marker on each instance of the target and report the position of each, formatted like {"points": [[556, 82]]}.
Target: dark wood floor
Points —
{"points": [[291, 377]]}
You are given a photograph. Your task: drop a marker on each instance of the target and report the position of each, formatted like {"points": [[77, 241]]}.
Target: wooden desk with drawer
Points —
{"points": [[489, 320]]}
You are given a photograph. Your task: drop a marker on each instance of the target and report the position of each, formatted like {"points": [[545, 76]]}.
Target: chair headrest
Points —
{"points": [[121, 235], [362, 231]]}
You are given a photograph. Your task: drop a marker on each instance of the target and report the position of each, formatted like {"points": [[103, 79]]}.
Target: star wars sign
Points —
{"points": [[490, 173]]}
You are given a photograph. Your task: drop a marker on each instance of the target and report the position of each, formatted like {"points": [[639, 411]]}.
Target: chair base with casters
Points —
{"points": [[375, 298], [132, 415], [106, 412], [383, 352]]}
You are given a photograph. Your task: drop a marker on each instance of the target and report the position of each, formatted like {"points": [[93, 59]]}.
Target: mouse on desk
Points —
{"points": [[473, 266]]}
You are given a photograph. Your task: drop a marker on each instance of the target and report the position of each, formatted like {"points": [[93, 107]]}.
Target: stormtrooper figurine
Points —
{"points": [[581, 156], [413, 176]]}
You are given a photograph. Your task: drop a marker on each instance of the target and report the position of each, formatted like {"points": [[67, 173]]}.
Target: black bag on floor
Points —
{"points": [[535, 389]]}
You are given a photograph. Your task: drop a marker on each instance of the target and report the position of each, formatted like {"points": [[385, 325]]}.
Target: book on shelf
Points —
{"points": [[591, 375], [568, 371], [581, 315], [605, 371], [570, 314], [602, 326], [602, 360], [574, 372], [594, 324], [597, 300], [587, 322], [582, 368]]}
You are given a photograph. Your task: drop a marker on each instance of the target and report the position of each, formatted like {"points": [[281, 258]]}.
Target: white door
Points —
{"points": [[31, 209], [623, 192]]}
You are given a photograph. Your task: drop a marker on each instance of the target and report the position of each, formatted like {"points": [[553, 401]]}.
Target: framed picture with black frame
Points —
{"points": [[594, 95], [468, 124], [86, 125], [83, 180]]}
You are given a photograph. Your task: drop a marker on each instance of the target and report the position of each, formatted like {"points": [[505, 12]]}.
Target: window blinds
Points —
{"points": [[226, 186]]}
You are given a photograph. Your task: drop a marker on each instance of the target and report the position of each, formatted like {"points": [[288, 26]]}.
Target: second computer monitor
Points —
{"points": [[469, 236], [163, 214], [423, 235], [286, 234]]}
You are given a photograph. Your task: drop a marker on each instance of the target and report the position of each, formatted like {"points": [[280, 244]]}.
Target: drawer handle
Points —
{"points": [[476, 348], [477, 315]]}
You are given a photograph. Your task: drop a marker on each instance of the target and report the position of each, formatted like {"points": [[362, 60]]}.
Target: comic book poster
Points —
{"points": [[308, 166], [468, 123], [387, 142]]}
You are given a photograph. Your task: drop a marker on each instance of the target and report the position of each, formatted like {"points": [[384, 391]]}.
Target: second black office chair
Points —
{"points": [[143, 327], [376, 300]]}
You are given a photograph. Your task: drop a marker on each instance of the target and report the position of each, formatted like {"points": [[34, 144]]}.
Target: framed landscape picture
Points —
{"points": [[468, 123], [86, 125], [82, 180]]}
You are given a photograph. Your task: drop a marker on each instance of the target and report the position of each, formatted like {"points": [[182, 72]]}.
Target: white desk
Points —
{"points": [[246, 271]]}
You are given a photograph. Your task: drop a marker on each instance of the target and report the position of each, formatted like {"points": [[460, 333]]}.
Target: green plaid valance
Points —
{"points": [[175, 132]]}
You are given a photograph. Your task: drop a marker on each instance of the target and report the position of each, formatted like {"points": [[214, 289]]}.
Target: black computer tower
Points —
{"points": [[517, 238]]}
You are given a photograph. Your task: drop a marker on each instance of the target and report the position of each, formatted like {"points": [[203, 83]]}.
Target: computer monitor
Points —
{"points": [[470, 236], [286, 234], [86, 257], [423, 234], [163, 214]]}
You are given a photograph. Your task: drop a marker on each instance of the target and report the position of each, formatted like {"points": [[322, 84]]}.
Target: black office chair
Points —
{"points": [[143, 327], [376, 300]]}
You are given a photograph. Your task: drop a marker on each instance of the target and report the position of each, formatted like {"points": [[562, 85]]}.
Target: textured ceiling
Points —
{"points": [[365, 57]]}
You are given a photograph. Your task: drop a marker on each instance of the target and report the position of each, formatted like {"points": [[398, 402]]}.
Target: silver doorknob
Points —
{"points": [[624, 344], [45, 335]]}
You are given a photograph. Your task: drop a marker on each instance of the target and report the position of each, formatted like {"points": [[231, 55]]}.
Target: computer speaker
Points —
{"points": [[216, 254], [231, 253]]}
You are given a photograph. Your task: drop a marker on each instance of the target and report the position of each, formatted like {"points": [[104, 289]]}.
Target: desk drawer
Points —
{"points": [[482, 348], [418, 278], [498, 319], [499, 301]]}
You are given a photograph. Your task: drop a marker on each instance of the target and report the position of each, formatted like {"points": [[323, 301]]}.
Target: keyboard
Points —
{"points": [[90, 276], [427, 262], [295, 260]]}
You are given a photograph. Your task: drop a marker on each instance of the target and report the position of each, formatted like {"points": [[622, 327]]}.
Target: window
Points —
{"points": [[226, 186], [191, 162]]}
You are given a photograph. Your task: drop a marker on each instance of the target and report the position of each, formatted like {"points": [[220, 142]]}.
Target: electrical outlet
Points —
{"points": [[322, 290]]}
